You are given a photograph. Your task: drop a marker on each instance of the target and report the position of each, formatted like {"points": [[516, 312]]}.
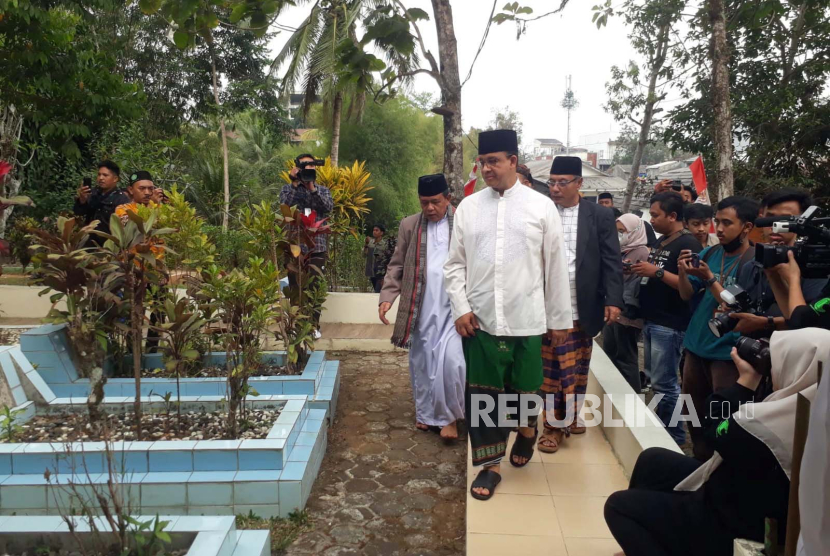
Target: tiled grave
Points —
{"points": [[46, 349], [201, 536], [271, 477]]}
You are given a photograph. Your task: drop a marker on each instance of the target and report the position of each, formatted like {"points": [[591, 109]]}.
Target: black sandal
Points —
{"points": [[486, 479], [523, 447]]}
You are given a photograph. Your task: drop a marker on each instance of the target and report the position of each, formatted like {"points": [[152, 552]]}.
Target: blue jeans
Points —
{"points": [[663, 348]]}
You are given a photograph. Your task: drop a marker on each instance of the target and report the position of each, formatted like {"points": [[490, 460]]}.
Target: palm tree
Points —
{"points": [[312, 54]]}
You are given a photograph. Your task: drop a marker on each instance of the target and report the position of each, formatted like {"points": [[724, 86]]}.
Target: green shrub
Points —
{"points": [[231, 247]]}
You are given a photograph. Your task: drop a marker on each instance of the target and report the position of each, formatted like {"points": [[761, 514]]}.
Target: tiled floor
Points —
{"points": [[552, 507]]}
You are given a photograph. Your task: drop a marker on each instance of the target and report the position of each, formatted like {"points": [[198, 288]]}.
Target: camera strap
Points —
{"points": [[665, 241], [746, 256], [670, 239]]}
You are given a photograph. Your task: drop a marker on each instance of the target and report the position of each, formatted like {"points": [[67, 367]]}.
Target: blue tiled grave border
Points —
{"points": [[203, 536], [271, 477], [47, 349]]}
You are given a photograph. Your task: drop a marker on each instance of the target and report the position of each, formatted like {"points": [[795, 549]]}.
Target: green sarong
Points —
{"points": [[498, 365]]}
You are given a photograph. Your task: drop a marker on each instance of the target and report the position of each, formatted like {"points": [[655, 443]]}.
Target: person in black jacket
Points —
{"points": [[100, 204], [676, 505], [596, 283]]}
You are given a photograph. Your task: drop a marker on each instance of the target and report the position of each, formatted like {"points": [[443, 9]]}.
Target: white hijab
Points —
{"points": [[814, 488], [796, 356]]}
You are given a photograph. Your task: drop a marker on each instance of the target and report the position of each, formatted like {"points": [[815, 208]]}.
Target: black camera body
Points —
{"points": [[738, 301], [812, 250], [308, 173], [756, 353]]}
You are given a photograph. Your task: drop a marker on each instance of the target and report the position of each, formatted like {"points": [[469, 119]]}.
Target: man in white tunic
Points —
{"points": [[507, 279], [424, 323]]}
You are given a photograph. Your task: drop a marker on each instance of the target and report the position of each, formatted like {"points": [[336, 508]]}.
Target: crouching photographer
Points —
{"points": [[676, 505]]}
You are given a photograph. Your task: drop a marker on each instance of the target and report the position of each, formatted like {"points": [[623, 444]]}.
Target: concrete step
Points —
{"points": [[252, 543]]}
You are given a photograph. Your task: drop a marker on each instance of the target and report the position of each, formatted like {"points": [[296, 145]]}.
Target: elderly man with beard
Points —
{"points": [[424, 323]]}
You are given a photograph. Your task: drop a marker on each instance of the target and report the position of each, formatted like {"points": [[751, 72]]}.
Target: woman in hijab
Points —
{"points": [[619, 339], [677, 506]]}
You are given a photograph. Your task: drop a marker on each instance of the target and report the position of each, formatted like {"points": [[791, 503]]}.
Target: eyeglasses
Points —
{"points": [[491, 162], [561, 183]]}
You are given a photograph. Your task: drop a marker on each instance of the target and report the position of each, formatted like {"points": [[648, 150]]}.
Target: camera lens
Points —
{"points": [[308, 175], [722, 325], [756, 353]]}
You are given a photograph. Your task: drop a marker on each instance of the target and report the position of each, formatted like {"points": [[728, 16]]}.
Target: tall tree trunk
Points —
{"points": [[450, 83], [721, 108], [336, 115], [226, 180], [648, 114]]}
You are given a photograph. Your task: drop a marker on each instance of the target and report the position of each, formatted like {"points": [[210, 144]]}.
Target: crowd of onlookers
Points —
{"points": [[722, 326], [674, 286]]}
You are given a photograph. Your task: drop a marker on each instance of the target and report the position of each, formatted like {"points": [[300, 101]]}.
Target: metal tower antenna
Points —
{"points": [[569, 103]]}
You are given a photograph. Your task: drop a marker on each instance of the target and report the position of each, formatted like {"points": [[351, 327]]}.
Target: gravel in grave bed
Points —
{"points": [[220, 372], [75, 427]]}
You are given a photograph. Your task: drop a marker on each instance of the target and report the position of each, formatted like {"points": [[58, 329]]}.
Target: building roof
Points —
{"points": [[549, 141], [682, 174], [662, 165]]}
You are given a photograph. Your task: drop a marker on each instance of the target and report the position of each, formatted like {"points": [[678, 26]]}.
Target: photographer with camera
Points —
{"points": [[786, 282], [307, 195], [794, 272], [676, 505], [767, 315], [709, 367], [100, 203]]}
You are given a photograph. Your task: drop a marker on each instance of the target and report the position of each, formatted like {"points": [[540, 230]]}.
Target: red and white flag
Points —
{"points": [[470, 187], [699, 179]]}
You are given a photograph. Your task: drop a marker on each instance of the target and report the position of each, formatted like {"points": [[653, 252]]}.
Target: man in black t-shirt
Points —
{"points": [[665, 313]]}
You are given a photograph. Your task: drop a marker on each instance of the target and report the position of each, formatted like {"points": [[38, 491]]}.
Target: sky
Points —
{"points": [[527, 75]]}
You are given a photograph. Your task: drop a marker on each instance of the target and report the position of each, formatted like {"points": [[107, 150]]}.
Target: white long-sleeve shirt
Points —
{"points": [[507, 263]]}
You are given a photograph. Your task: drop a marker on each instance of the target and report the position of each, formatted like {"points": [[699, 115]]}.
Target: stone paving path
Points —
{"points": [[384, 488]]}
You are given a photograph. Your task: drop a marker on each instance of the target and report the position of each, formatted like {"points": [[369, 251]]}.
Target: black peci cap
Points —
{"points": [[435, 184], [566, 166], [496, 141]]}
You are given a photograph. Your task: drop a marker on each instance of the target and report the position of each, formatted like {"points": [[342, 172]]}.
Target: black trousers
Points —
{"points": [[652, 519], [317, 272], [620, 344], [377, 283]]}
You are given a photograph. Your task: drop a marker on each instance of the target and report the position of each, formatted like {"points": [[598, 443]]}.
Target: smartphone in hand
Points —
{"points": [[695, 260]]}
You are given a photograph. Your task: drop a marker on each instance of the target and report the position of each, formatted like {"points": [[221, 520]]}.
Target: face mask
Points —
{"points": [[734, 245], [620, 236]]}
